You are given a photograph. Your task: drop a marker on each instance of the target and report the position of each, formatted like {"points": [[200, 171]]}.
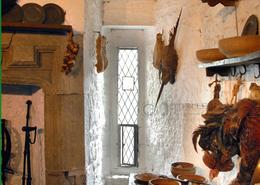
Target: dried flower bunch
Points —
{"points": [[70, 56], [224, 2]]}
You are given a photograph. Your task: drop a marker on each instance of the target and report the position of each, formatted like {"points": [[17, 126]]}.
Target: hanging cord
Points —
{"points": [[8, 46], [10, 42], [236, 18]]}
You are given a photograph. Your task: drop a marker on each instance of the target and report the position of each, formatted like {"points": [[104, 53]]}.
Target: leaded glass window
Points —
{"points": [[128, 93]]}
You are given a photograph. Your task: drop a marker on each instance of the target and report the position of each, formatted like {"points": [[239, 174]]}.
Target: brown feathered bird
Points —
{"points": [[169, 61], [237, 134]]}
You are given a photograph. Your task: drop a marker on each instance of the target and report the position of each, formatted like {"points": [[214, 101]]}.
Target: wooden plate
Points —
{"points": [[251, 26], [209, 55], [33, 13], [14, 15], [54, 14], [239, 46]]}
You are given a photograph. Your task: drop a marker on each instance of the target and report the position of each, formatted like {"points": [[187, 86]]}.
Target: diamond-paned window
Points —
{"points": [[128, 93]]}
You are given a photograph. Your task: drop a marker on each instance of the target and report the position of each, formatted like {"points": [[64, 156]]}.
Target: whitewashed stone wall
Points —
{"points": [[166, 133], [125, 12], [201, 26], [93, 95]]}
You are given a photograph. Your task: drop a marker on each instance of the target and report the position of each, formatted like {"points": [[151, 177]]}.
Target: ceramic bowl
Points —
{"points": [[209, 55], [197, 179], [164, 182], [180, 168], [239, 46]]}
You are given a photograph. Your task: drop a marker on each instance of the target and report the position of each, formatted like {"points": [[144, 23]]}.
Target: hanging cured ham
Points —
{"points": [[102, 61]]}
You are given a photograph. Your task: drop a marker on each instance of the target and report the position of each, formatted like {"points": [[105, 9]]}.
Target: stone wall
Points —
{"points": [[166, 133], [93, 96], [201, 26], [125, 12]]}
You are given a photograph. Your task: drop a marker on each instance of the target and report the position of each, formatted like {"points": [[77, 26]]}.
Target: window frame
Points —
{"points": [[135, 126]]}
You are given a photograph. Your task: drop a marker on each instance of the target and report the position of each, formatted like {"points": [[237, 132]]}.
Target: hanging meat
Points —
{"points": [[224, 2], [169, 60], [101, 57], [229, 131]]}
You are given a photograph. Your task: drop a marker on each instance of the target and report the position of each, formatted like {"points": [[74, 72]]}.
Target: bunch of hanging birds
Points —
{"points": [[230, 130]]}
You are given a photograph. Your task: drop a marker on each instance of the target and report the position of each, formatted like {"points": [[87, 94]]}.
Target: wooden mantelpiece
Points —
{"points": [[36, 28]]}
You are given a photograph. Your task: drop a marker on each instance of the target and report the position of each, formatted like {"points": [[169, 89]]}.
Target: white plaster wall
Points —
{"points": [[74, 11], [169, 135], [14, 110], [129, 12], [93, 97]]}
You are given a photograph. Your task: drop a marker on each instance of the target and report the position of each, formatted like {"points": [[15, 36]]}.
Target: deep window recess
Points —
{"points": [[128, 93]]}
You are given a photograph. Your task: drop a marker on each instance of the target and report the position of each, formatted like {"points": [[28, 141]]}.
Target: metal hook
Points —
{"points": [[216, 81], [98, 32], [235, 71], [242, 73], [257, 76]]}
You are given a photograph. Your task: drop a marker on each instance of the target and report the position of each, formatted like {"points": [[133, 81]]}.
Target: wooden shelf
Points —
{"points": [[36, 28], [223, 67]]}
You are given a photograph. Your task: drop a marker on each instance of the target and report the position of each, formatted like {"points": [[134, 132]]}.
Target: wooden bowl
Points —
{"points": [[144, 178], [239, 46], [181, 168], [209, 55], [164, 182], [197, 179]]}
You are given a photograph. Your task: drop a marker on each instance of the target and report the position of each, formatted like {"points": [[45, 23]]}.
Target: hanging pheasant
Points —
{"points": [[169, 60]]}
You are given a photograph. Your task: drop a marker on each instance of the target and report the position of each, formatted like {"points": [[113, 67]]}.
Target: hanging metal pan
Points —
{"points": [[251, 26], [54, 14], [33, 13], [14, 15]]}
